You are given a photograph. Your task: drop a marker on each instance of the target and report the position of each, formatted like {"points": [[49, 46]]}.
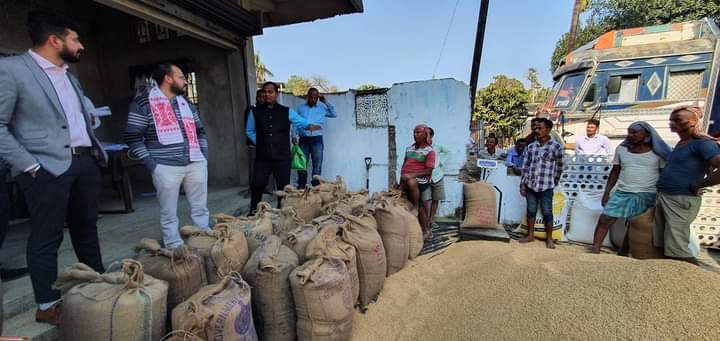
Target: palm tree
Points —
{"points": [[579, 7], [261, 71]]}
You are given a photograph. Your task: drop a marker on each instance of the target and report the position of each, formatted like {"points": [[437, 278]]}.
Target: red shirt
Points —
{"points": [[418, 159]]}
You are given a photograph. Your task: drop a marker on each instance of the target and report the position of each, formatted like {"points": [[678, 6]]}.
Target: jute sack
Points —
{"points": [[230, 250], [127, 305], [395, 196], [298, 239], [267, 273], [329, 221], [371, 262], [415, 234], [323, 300], [307, 203], [640, 230], [200, 241], [391, 225], [480, 206], [330, 191], [256, 228], [329, 244], [183, 270], [284, 220], [219, 311]]}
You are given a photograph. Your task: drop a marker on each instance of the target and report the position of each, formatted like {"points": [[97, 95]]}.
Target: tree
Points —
{"points": [[608, 15], [537, 93], [501, 106], [297, 85], [322, 83], [367, 87], [261, 71]]}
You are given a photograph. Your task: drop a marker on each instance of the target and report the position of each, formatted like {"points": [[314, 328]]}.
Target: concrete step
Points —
{"points": [[24, 325]]}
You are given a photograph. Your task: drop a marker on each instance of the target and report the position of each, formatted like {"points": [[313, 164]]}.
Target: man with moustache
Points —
{"points": [[164, 131], [47, 138]]}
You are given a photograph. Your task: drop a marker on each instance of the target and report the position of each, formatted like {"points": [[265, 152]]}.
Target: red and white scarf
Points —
{"points": [[166, 124]]}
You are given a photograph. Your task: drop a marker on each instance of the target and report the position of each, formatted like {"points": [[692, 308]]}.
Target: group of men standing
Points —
{"points": [[646, 173]]}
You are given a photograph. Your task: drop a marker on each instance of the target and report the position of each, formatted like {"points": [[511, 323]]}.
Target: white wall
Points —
{"points": [[443, 104]]}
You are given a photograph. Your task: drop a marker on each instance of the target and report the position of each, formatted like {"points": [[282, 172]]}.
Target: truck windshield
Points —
{"points": [[569, 89]]}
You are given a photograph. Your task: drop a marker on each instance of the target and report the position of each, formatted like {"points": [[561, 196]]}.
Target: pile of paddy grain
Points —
{"points": [[495, 291]]}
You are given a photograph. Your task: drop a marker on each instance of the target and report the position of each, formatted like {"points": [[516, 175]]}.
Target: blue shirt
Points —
{"points": [[514, 159], [295, 119], [686, 166], [315, 115]]}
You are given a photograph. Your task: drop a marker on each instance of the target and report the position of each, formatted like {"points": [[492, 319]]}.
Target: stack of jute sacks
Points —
{"points": [[293, 273]]}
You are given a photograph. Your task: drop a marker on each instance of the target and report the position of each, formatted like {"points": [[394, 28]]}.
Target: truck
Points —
{"points": [[638, 74]]}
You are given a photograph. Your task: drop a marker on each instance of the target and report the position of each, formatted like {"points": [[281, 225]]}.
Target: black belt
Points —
{"points": [[81, 151]]}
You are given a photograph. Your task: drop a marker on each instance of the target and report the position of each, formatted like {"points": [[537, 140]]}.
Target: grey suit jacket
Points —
{"points": [[33, 127]]}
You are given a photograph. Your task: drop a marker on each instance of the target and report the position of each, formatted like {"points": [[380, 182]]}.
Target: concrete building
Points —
{"points": [[379, 124], [211, 40]]}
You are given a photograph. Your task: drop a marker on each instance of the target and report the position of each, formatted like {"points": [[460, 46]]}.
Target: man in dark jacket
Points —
{"points": [[268, 126]]}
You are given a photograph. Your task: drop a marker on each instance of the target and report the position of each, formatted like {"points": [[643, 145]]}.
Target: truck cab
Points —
{"points": [[638, 74]]}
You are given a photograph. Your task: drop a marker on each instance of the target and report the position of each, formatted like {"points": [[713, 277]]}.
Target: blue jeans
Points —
{"points": [[544, 199], [313, 149]]}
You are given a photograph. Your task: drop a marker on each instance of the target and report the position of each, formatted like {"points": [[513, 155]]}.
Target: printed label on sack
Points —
{"points": [[242, 324]]}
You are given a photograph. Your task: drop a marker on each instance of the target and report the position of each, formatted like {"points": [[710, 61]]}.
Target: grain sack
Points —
{"points": [[323, 300], [415, 235], [370, 254], [329, 244], [391, 226], [329, 221], [560, 209], [640, 237], [230, 250], [267, 273], [586, 211], [219, 311], [298, 239], [330, 191], [307, 203], [200, 241], [183, 270], [256, 228], [353, 203], [480, 206], [127, 305], [283, 220], [394, 196]]}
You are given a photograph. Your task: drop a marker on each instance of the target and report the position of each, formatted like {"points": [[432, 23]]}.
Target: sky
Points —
{"points": [[400, 40]]}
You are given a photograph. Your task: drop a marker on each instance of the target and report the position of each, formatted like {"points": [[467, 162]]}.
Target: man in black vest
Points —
{"points": [[268, 126]]}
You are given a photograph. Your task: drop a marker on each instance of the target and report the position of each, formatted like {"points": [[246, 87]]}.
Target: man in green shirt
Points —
{"points": [[436, 192]]}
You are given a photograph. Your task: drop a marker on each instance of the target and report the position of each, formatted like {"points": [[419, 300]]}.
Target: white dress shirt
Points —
{"points": [[69, 100]]}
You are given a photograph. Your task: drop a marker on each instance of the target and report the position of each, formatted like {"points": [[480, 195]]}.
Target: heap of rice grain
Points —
{"points": [[494, 291]]}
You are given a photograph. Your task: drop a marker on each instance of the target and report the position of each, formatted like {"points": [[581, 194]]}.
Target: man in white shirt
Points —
{"points": [[593, 143]]}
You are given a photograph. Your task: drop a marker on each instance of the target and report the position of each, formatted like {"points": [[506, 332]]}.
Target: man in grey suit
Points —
{"points": [[46, 136]]}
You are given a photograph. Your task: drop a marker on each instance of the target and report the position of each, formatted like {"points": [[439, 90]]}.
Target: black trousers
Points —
{"points": [[4, 205], [280, 169], [53, 201]]}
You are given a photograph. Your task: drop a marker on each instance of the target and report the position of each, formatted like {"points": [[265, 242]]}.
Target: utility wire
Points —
{"points": [[447, 33]]}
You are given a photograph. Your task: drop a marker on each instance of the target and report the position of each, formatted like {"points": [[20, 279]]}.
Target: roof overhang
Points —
{"points": [[287, 12]]}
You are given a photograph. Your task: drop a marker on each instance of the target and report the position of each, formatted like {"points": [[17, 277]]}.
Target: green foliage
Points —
{"points": [[297, 85], [536, 93], [501, 105], [367, 87], [608, 15], [261, 70]]}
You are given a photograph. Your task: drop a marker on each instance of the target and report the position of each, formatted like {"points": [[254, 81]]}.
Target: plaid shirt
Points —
{"points": [[542, 166]]}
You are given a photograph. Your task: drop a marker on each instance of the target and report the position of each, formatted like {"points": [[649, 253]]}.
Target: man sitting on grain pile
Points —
{"points": [[416, 173], [691, 167]]}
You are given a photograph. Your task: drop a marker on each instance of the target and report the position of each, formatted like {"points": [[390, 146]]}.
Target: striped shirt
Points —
{"points": [[418, 159], [542, 166], [141, 136]]}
